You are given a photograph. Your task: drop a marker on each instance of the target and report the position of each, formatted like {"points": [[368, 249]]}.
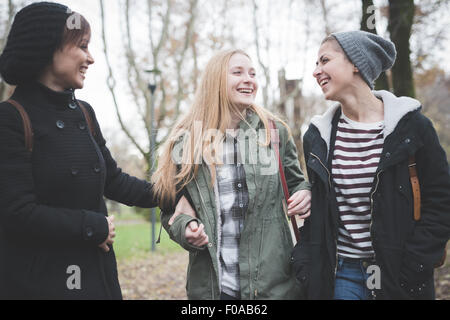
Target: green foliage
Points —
{"points": [[146, 213], [133, 241]]}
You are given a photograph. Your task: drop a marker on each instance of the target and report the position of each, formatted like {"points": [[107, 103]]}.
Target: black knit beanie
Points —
{"points": [[35, 35]]}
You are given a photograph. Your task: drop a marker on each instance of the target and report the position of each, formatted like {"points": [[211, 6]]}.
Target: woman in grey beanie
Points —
{"points": [[372, 233]]}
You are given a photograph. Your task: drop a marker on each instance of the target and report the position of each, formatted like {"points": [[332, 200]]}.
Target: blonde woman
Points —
{"points": [[219, 158]]}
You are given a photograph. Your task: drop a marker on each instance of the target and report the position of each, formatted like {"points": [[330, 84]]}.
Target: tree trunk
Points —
{"points": [[401, 16], [290, 93], [368, 24]]}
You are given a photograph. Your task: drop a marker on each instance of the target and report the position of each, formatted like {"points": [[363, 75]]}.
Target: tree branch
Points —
{"points": [[112, 83]]}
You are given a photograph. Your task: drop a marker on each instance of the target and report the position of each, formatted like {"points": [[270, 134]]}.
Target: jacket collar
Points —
{"points": [[38, 93], [395, 108]]}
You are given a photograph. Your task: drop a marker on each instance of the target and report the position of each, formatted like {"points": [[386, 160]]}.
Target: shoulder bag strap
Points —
{"points": [[275, 140], [87, 116], [415, 186], [26, 124], [416, 194]]}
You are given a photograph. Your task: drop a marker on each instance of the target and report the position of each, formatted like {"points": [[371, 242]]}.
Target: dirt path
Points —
{"points": [[163, 277], [160, 277]]}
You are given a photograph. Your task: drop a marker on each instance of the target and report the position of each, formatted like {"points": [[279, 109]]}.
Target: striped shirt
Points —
{"points": [[355, 160]]}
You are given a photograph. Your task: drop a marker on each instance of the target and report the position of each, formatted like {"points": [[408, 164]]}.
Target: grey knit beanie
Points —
{"points": [[370, 53]]}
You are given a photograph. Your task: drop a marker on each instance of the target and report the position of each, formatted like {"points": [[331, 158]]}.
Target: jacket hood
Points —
{"points": [[395, 108]]}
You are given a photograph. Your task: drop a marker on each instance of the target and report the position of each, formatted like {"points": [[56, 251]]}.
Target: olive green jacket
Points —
{"points": [[266, 242]]}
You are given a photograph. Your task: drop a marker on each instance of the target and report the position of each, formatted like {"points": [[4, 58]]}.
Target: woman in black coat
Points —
{"points": [[363, 240], [55, 234]]}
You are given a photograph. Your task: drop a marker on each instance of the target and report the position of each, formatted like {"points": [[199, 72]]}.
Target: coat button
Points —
{"points": [[72, 105], [74, 171], [89, 232], [210, 245], [387, 155], [407, 140], [82, 125], [60, 124], [96, 168]]}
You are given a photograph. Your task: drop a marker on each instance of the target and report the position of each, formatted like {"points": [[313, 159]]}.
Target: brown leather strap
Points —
{"points": [[275, 140], [416, 194], [415, 186], [88, 118], [26, 124]]}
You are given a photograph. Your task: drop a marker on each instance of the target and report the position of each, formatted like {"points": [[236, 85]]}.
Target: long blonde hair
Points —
{"points": [[212, 108]]}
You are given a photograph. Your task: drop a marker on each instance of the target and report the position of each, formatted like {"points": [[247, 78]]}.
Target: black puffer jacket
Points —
{"points": [[52, 211], [406, 251]]}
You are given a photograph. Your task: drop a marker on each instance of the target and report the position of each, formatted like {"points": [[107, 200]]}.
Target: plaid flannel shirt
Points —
{"points": [[233, 199]]}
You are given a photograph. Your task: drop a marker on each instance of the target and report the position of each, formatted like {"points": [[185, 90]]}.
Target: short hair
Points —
{"points": [[73, 36]]}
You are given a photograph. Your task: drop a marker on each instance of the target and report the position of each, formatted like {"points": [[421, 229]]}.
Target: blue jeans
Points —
{"points": [[351, 280]]}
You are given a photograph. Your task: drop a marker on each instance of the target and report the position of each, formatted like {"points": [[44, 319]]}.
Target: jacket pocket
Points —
{"points": [[200, 276], [274, 275]]}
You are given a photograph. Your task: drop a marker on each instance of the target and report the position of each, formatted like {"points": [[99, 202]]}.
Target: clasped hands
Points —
{"points": [[111, 234], [298, 204]]}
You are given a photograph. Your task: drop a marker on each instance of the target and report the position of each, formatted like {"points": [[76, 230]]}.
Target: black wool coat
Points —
{"points": [[405, 250], [52, 210]]}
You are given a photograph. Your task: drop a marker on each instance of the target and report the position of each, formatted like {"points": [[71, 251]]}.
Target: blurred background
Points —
{"points": [[149, 55]]}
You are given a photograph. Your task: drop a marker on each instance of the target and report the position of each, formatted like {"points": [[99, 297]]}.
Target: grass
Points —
{"points": [[133, 241]]}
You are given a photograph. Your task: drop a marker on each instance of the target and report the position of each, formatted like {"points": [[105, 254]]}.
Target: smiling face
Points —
{"points": [[70, 64], [334, 73], [241, 81]]}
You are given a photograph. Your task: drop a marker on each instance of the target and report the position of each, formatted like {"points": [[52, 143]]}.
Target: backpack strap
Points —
{"points": [[87, 116], [28, 131], [275, 140], [26, 124], [415, 186]]}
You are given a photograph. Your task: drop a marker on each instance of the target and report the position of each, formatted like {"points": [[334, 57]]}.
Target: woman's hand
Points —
{"points": [[300, 203], [111, 234], [196, 234], [183, 207]]}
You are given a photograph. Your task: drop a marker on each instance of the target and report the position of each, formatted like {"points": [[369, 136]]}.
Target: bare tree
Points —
{"points": [[261, 63], [325, 16], [163, 44], [368, 24], [401, 18]]}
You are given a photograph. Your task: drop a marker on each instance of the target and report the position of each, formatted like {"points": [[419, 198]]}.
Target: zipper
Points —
{"points": [[371, 219], [249, 245], [328, 171], [212, 281], [371, 206], [329, 182]]}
